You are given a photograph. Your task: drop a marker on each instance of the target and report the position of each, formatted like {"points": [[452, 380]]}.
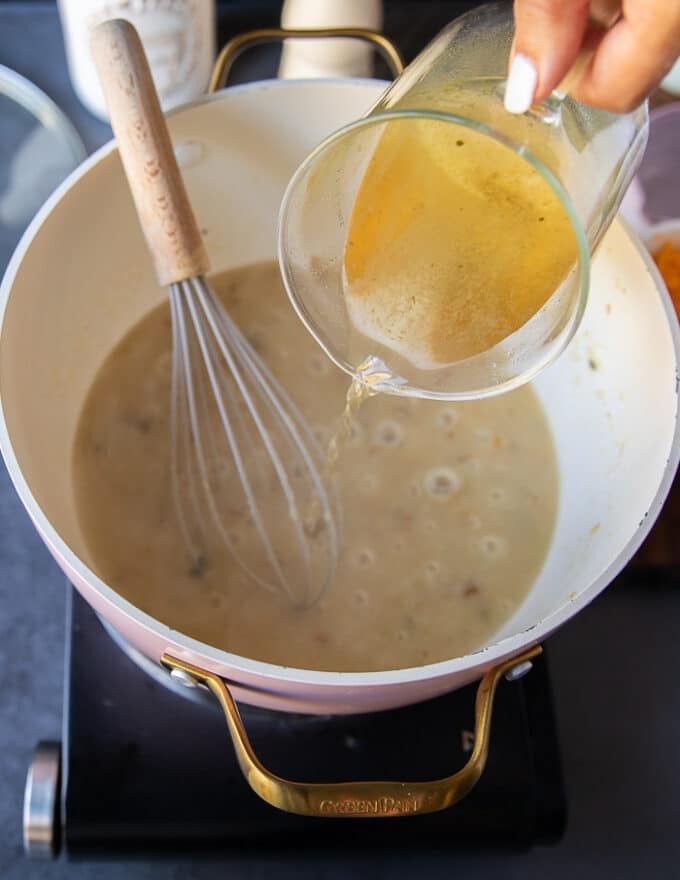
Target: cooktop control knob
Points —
{"points": [[42, 833]]}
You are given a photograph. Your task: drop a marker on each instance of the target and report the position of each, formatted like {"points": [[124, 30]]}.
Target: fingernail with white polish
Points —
{"points": [[521, 85]]}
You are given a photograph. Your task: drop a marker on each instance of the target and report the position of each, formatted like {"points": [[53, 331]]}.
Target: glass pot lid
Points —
{"points": [[39, 147]]}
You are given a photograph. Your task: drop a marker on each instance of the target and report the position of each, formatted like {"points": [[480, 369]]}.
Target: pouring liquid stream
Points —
{"points": [[372, 378]]}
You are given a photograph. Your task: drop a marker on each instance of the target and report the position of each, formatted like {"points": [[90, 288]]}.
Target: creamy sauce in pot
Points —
{"points": [[448, 509]]}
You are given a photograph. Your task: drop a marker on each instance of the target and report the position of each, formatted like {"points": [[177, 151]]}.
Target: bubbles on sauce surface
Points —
{"points": [[408, 627], [216, 601], [360, 598], [432, 570], [322, 435], [364, 558], [356, 434], [298, 471], [492, 546], [447, 418], [388, 433], [442, 482], [469, 589], [318, 365], [260, 338]]}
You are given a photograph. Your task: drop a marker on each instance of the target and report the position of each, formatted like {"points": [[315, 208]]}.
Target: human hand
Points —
{"points": [[624, 49]]}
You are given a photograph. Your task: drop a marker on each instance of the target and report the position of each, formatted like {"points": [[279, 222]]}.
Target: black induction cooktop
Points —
{"points": [[145, 769]]}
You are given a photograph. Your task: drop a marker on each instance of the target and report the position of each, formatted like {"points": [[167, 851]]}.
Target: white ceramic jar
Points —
{"points": [[178, 36]]}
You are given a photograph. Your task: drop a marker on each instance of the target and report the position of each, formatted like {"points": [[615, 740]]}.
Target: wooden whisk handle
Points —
{"points": [[164, 210]]}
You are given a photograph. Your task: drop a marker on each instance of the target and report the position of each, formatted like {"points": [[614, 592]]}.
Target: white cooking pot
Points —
{"points": [[81, 278]]}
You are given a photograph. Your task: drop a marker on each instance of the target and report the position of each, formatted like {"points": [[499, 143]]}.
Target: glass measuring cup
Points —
{"points": [[584, 157]]}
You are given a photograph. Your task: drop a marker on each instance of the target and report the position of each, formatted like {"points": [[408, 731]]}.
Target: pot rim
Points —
{"points": [[484, 657]]}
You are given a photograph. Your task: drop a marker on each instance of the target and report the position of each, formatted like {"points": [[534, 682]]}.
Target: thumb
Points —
{"points": [[548, 36]]}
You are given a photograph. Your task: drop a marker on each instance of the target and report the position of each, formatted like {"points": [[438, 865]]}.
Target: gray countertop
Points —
{"points": [[614, 676]]}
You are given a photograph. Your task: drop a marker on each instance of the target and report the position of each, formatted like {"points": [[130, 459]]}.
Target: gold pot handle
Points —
{"points": [[360, 799], [236, 45]]}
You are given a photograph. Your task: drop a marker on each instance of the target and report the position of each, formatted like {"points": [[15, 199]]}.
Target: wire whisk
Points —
{"points": [[247, 473]]}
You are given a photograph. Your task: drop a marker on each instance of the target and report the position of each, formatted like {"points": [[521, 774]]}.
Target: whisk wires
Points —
{"points": [[243, 454]]}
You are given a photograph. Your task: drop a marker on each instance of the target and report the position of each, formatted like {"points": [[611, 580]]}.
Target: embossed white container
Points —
{"points": [[178, 36]]}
